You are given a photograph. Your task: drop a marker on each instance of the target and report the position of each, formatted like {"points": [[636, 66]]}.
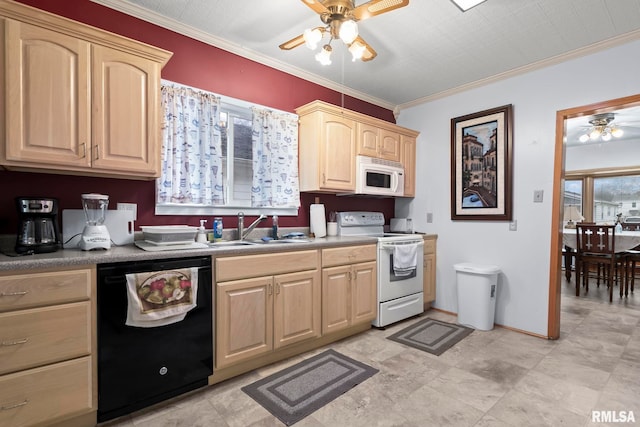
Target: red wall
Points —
{"points": [[191, 64]]}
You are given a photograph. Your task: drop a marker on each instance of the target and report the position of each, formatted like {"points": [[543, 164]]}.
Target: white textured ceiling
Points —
{"points": [[425, 50]]}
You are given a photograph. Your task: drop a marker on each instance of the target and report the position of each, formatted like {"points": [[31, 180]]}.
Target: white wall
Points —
{"points": [[523, 255]]}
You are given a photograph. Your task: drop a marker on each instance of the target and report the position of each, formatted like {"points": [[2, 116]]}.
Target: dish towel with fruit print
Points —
{"points": [[161, 297]]}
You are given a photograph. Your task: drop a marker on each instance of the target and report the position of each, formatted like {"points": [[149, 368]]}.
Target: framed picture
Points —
{"points": [[482, 165]]}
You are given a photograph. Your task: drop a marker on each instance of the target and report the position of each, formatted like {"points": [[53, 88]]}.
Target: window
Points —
{"points": [[573, 194], [221, 156], [615, 195], [237, 160]]}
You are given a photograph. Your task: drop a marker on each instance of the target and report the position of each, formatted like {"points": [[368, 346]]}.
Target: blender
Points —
{"points": [[95, 234]]}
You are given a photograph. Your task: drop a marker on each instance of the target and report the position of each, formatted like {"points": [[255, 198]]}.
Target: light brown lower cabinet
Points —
{"points": [[429, 269], [257, 315], [47, 348], [349, 287]]}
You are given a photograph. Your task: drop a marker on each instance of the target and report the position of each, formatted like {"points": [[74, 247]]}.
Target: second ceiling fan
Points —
{"points": [[340, 18]]}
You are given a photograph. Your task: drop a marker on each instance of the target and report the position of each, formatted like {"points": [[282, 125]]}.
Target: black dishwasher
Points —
{"points": [[138, 367]]}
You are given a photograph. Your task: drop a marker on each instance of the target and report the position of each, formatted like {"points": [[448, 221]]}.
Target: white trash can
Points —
{"points": [[477, 287]]}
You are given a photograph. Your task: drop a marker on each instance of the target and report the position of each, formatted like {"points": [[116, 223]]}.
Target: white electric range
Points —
{"points": [[399, 295]]}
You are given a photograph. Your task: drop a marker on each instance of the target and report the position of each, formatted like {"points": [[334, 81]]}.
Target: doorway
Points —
{"points": [[555, 271]]}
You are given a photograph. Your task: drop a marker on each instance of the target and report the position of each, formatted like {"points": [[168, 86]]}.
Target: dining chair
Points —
{"points": [[632, 257], [596, 246]]}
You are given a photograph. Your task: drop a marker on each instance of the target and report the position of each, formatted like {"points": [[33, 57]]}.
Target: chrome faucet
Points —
{"points": [[242, 232]]}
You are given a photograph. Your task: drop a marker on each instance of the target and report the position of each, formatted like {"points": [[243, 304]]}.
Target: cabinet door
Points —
{"points": [[408, 145], [126, 126], [429, 277], [368, 140], [244, 319], [389, 145], [48, 98], [296, 307], [364, 294], [337, 163], [336, 301]]}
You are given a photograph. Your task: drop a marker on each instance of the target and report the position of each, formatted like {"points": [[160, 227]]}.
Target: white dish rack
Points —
{"points": [[165, 235]]}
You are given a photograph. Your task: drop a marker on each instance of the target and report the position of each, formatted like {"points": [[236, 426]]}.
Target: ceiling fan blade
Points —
{"points": [[317, 6], [369, 52], [376, 7], [294, 42]]}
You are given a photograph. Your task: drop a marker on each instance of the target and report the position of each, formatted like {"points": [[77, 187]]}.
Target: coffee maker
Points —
{"points": [[37, 225]]}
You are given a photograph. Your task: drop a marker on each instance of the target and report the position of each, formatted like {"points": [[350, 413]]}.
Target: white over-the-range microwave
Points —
{"points": [[379, 177]]}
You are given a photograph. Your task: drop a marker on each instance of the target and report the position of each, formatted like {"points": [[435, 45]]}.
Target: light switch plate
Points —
{"points": [[429, 217], [513, 225], [538, 196]]}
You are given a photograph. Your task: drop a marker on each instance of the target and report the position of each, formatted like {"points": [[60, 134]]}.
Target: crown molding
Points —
{"points": [[173, 25], [577, 53]]}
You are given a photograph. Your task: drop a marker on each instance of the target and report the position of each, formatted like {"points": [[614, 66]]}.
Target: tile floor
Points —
{"points": [[493, 378]]}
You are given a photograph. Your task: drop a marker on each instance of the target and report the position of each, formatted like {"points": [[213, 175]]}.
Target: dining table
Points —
{"points": [[625, 240]]}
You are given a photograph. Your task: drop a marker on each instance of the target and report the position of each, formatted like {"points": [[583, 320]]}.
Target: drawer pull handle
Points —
{"points": [[16, 342], [13, 294], [14, 406]]}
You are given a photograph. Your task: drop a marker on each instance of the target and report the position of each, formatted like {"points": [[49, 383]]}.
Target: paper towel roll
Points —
{"points": [[317, 222]]}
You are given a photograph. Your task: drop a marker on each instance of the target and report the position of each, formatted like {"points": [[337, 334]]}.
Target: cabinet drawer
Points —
{"points": [[429, 246], [38, 336], [238, 267], [46, 394], [44, 288], [348, 255]]}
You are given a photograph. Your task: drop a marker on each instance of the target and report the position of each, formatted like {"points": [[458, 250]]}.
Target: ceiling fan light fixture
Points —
{"points": [[606, 136], [617, 132], [595, 133], [324, 56], [348, 31], [584, 137], [465, 5], [357, 50], [312, 37]]}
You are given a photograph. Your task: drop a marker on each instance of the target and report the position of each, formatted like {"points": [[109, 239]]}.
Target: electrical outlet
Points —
{"points": [[429, 217], [133, 207], [537, 196], [513, 225]]}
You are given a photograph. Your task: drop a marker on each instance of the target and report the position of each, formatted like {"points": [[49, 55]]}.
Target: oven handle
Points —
{"points": [[391, 245]]}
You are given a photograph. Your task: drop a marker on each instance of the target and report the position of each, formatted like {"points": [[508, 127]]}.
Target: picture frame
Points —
{"points": [[482, 165]]}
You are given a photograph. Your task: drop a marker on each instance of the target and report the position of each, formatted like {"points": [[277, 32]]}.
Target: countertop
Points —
{"points": [[77, 257]]}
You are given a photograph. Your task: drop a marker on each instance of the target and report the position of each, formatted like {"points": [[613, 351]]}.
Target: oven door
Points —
{"points": [[392, 286]]}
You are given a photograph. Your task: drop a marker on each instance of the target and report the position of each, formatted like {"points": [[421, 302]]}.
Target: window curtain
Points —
{"points": [[191, 168], [275, 159]]}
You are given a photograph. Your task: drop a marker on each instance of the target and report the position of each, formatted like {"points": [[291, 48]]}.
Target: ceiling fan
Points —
{"points": [[340, 18], [602, 128]]}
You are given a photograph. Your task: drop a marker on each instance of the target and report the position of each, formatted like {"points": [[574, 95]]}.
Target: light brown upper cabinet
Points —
{"points": [[330, 137], [79, 100], [377, 142], [408, 160], [327, 144]]}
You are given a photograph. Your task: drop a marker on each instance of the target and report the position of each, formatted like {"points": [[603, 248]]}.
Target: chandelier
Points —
{"points": [[602, 128]]}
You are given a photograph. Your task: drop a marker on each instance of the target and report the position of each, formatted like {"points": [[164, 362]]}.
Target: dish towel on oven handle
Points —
{"points": [[405, 259], [161, 297]]}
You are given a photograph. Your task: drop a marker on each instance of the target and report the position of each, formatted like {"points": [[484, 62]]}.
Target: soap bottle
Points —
{"points": [[274, 228], [201, 237]]}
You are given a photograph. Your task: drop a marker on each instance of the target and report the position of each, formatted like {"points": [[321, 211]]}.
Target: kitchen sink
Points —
{"points": [[279, 241], [227, 243], [254, 242]]}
